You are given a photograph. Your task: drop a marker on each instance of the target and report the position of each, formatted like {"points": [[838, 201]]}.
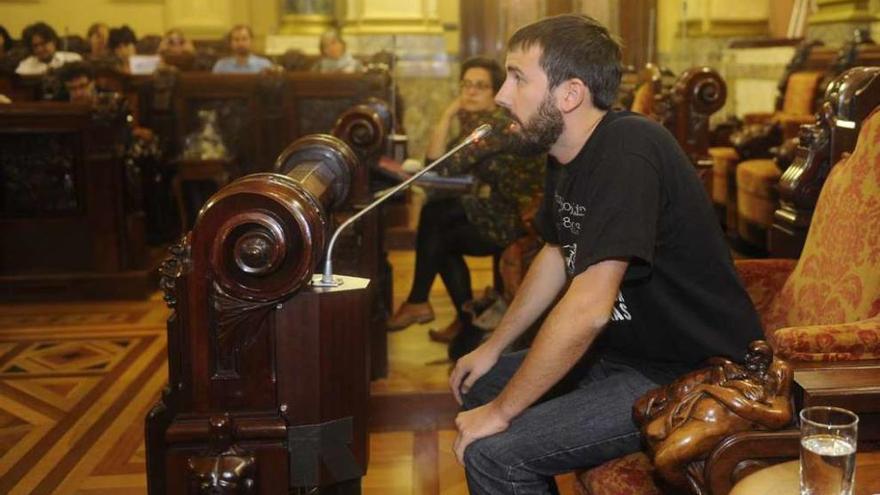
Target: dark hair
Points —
{"points": [[40, 29], [73, 70], [7, 40], [120, 36], [575, 46], [494, 68]]}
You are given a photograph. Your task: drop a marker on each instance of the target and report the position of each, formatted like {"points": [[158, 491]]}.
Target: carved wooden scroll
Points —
{"points": [[697, 94], [848, 100], [255, 353]]}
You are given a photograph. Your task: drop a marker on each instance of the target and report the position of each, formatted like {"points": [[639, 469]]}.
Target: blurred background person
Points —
{"points": [[42, 42], [480, 223], [242, 60], [98, 36], [5, 42], [334, 57], [122, 44]]}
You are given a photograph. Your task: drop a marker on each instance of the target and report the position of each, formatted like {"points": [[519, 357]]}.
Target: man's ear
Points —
{"points": [[571, 94]]}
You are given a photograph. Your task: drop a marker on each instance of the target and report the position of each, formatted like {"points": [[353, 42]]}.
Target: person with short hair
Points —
{"points": [[98, 35], [475, 224], [122, 43], [637, 277], [79, 81], [334, 57], [242, 60], [5, 41], [175, 43], [42, 42]]}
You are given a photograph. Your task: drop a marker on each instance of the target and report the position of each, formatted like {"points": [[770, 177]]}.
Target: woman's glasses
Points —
{"points": [[479, 85]]}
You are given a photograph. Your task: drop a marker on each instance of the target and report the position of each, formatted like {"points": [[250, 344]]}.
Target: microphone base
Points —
{"points": [[318, 281]]}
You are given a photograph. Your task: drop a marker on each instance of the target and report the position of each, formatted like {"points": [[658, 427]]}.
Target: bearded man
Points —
{"points": [[641, 283]]}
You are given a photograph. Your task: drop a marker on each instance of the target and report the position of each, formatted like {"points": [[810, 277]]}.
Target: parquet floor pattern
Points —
{"points": [[77, 379]]}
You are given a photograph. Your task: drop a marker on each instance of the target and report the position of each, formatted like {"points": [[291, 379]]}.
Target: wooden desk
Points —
{"points": [[855, 387], [783, 479]]}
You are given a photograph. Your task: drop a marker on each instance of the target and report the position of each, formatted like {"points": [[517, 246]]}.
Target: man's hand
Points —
{"points": [[475, 424], [469, 368]]}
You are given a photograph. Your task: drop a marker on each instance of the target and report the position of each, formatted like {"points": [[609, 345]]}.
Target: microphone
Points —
{"points": [[327, 279]]}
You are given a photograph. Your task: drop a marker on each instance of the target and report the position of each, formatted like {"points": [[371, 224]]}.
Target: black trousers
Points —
{"points": [[444, 236]]}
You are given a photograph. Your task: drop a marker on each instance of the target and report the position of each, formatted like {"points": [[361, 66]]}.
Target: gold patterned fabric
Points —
{"points": [[829, 308], [628, 475]]}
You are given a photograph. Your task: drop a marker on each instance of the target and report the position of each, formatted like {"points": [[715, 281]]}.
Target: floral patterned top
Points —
{"points": [[506, 183]]}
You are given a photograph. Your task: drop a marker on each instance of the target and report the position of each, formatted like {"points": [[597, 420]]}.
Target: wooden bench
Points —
{"points": [[72, 222]]}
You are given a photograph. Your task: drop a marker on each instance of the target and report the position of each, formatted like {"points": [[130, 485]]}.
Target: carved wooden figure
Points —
{"points": [[683, 421], [268, 376]]}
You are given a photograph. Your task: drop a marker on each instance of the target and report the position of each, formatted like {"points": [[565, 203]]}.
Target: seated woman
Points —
{"points": [[478, 224], [42, 42], [334, 57]]}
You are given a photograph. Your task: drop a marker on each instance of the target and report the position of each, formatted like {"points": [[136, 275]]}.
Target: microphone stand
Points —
{"points": [[327, 279]]}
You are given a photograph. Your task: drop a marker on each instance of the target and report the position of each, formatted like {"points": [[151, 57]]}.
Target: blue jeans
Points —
{"points": [[585, 421]]}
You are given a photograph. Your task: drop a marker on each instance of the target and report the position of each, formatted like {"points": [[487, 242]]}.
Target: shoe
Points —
{"points": [[410, 313], [447, 334]]}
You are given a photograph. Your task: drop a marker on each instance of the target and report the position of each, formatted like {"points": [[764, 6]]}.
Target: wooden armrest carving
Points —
{"points": [[683, 421], [741, 454]]}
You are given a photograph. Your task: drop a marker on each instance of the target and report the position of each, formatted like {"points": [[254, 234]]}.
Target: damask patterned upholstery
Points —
{"points": [[823, 307], [829, 308], [627, 475]]}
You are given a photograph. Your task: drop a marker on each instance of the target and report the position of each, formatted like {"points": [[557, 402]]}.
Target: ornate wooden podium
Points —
{"points": [[268, 376]]}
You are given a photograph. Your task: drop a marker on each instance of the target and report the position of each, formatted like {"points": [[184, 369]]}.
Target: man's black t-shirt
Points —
{"points": [[631, 193]]}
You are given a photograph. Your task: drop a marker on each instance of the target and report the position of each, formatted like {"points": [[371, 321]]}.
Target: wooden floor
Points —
{"points": [[76, 380]]}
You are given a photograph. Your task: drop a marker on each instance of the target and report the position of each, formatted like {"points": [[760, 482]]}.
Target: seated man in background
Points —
{"points": [[42, 41], [476, 224], [242, 60], [79, 81], [334, 57], [122, 44], [176, 50], [148, 182]]}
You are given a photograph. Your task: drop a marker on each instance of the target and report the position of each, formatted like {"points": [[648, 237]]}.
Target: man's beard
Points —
{"points": [[540, 132]]}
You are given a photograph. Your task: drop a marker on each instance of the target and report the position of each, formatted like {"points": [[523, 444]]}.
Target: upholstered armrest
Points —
{"points": [[763, 279], [743, 453], [833, 342], [758, 118]]}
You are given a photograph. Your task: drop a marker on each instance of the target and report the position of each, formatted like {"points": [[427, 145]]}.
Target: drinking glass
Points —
{"points": [[828, 450]]}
